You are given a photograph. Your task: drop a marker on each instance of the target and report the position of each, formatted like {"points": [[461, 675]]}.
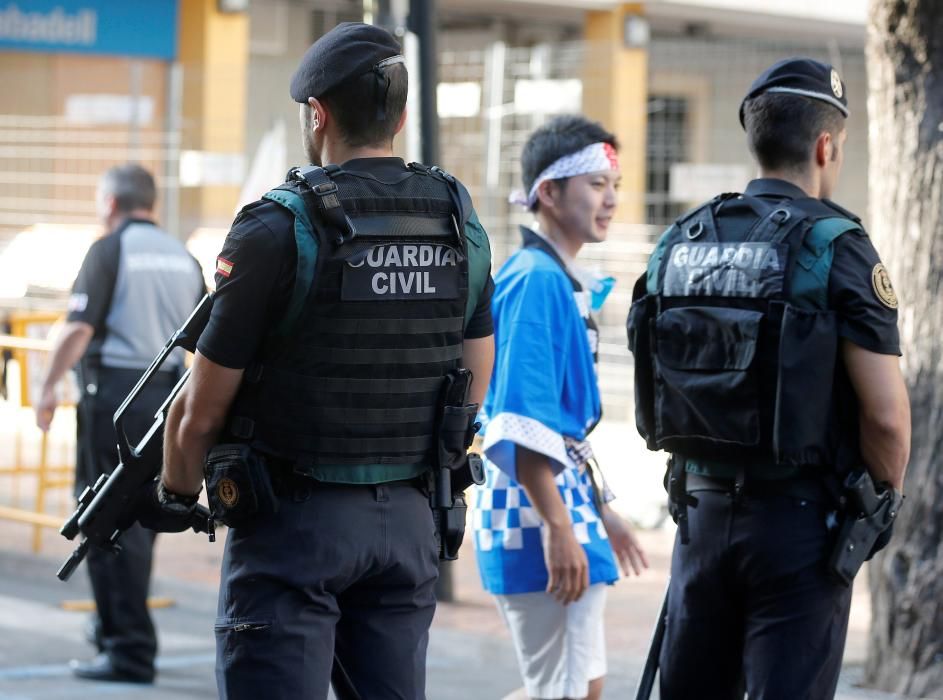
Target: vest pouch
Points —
{"points": [[638, 328], [238, 484], [808, 352], [707, 383]]}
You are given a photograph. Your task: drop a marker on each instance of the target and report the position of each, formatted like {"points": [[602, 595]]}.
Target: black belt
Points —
{"points": [[805, 488]]}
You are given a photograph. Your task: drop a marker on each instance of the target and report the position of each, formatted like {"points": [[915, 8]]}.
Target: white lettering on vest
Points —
{"points": [[375, 283]]}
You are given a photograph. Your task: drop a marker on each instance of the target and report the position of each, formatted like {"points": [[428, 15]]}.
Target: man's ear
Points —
{"points": [[319, 116], [824, 148], [109, 205], [548, 193]]}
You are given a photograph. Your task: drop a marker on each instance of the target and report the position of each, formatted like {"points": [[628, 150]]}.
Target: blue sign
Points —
{"points": [[114, 27]]}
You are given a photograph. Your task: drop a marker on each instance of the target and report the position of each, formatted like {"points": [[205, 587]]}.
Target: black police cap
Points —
{"points": [[800, 76], [346, 52]]}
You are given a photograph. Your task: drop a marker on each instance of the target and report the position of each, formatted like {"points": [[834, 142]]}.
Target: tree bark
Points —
{"points": [[905, 108]]}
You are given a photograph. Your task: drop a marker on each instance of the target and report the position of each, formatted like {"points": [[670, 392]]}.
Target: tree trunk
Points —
{"points": [[905, 107]]}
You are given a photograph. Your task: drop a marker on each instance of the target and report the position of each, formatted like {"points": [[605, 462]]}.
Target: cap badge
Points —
{"points": [[836, 84], [881, 283]]}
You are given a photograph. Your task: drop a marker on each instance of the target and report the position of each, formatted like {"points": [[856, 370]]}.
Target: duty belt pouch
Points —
{"points": [[238, 484]]}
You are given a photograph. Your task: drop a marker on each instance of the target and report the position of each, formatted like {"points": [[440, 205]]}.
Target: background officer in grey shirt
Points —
{"points": [[136, 286]]}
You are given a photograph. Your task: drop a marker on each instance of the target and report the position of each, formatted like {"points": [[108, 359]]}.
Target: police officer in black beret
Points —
{"points": [[766, 350], [345, 297]]}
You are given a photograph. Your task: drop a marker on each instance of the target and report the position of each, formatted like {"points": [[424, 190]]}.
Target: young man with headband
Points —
{"points": [[545, 536]]}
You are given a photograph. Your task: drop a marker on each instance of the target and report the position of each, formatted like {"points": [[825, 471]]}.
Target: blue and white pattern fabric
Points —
{"points": [[543, 396]]}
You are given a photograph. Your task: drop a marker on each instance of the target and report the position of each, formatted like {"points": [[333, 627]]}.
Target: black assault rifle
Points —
{"points": [[104, 509]]}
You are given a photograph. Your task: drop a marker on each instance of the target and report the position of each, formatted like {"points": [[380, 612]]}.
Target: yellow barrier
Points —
{"points": [[28, 343]]}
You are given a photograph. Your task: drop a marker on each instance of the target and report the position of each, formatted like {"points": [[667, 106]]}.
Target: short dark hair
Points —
{"points": [[782, 128], [559, 137], [131, 185], [357, 106]]}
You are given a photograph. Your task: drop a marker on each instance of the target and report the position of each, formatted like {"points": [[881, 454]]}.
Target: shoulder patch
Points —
{"points": [[883, 290], [224, 266]]}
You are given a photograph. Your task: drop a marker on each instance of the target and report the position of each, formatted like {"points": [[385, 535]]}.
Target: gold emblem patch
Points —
{"points": [[882, 286], [836, 84], [228, 492]]}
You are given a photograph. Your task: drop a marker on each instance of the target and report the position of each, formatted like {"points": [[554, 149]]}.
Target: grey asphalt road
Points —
{"points": [[470, 655]]}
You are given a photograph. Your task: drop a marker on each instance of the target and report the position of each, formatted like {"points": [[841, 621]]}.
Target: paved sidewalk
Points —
{"points": [[470, 656]]}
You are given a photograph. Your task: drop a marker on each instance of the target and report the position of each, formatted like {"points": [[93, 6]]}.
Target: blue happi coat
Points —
{"points": [[544, 396]]}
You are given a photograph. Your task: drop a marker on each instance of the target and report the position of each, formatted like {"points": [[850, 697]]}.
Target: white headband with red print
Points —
{"points": [[596, 157]]}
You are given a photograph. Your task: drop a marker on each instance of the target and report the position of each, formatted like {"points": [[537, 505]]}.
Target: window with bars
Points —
{"points": [[667, 143]]}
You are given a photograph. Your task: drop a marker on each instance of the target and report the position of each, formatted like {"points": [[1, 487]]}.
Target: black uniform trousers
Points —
{"points": [[345, 570], [120, 583], [751, 604]]}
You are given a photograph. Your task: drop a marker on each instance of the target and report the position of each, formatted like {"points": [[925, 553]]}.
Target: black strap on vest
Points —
{"points": [[328, 203], [701, 223], [461, 201]]}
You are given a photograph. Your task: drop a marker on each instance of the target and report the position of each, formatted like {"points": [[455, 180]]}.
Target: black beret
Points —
{"points": [[347, 51], [801, 76]]}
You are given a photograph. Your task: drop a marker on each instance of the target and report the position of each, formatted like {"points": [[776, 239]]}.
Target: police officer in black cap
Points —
{"points": [[345, 297], [766, 349]]}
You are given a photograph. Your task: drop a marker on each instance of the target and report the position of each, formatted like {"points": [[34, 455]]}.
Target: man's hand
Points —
{"points": [[624, 543], [564, 556], [68, 347], [46, 408], [148, 510], [566, 564]]}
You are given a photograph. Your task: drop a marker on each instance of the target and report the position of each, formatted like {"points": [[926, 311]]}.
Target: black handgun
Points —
{"points": [[868, 513], [108, 502]]}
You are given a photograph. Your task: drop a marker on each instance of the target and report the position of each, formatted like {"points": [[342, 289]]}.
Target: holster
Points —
{"points": [[679, 500], [868, 514], [455, 469], [238, 484]]}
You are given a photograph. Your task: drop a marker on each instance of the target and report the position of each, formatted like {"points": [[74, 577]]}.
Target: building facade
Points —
{"points": [[197, 90]]}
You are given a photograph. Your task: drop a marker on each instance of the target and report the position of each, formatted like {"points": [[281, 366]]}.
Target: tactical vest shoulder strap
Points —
{"points": [[652, 281], [328, 203], [781, 220], [700, 224], [461, 199], [814, 261], [306, 245]]}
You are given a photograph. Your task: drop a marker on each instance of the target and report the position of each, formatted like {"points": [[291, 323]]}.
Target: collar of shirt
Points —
{"points": [[124, 223], [569, 264], [377, 167], [774, 187]]}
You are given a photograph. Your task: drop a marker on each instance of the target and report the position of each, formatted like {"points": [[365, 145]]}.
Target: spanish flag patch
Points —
{"points": [[223, 267]]}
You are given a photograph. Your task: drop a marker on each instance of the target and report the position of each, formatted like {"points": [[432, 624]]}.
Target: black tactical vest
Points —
{"points": [[354, 374], [735, 348]]}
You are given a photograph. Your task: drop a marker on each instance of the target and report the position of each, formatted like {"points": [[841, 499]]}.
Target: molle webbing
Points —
{"points": [[358, 379]]}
